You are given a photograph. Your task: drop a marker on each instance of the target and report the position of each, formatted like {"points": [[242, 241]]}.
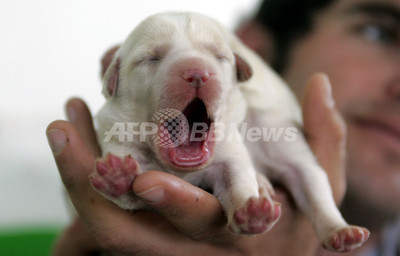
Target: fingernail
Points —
{"points": [[57, 140], [152, 195], [329, 101], [71, 113]]}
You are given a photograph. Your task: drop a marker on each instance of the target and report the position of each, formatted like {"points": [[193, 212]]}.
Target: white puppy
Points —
{"points": [[182, 72]]}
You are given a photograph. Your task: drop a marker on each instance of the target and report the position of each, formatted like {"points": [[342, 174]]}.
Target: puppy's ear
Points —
{"points": [[107, 59], [111, 78], [243, 69]]}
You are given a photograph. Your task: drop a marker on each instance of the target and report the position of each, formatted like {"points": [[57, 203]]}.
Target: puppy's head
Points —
{"points": [[181, 61]]}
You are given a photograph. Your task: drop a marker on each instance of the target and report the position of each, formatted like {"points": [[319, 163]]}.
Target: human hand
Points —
{"points": [[188, 219]]}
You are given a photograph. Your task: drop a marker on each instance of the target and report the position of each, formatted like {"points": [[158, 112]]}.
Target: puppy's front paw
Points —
{"points": [[113, 176], [256, 216], [346, 239]]}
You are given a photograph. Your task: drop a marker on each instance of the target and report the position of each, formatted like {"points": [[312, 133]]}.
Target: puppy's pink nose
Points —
{"points": [[196, 77]]}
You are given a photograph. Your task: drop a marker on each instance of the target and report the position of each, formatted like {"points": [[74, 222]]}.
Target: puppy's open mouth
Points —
{"points": [[191, 140]]}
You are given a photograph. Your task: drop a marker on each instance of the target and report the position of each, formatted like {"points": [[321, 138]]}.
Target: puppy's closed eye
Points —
{"points": [[150, 59], [160, 52], [221, 57], [155, 58], [155, 55]]}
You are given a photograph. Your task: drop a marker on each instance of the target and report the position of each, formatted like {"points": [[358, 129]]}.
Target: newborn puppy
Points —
{"points": [[180, 91]]}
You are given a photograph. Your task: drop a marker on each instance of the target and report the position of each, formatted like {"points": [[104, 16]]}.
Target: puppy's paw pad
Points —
{"points": [[256, 216], [346, 239], [114, 176]]}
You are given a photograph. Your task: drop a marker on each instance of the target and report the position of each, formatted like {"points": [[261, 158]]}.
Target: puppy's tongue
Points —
{"points": [[191, 153]]}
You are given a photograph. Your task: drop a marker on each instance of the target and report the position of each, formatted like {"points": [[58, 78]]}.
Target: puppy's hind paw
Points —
{"points": [[256, 216], [346, 239], [114, 176]]}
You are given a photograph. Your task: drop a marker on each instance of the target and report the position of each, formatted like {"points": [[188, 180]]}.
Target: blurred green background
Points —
{"points": [[28, 241]]}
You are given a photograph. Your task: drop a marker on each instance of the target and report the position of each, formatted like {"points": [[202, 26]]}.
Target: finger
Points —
{"points": [[75, 240], [75, 163], [326, 131], [79, 115], [190, 209], [112, 228], [107, 59]]}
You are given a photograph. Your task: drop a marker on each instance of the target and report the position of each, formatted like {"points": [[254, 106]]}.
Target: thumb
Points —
{"points": [[325, 131]]}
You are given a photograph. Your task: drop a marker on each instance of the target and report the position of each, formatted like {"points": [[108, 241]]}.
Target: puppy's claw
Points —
{"points": [[346, 239], [256, 216]]}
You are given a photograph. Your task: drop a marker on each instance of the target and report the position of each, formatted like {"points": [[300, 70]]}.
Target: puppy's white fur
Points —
{"points": [[148, 61]]}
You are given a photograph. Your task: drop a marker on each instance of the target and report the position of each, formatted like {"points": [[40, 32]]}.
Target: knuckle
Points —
{"points": [[222, 236], [117, 243], [109, 241], [69, 181]]}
